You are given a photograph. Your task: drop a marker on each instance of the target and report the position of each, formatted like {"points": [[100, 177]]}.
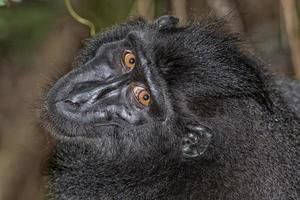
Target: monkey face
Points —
{"points": [[115, 99], [116, 88]]}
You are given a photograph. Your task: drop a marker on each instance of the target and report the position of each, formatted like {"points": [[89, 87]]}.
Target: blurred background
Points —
{"points": [[38, 39]]}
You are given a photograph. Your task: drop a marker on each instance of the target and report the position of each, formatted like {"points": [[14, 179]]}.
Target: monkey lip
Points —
{"points": [[65, 125], [99, 117], [64, 119]]}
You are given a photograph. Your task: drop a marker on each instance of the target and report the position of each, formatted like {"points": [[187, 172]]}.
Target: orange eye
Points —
{"points": [[128, 59], [142, 95]]}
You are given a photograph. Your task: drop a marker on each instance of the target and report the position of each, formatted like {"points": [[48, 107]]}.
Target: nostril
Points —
{"points": [[75, 104]]}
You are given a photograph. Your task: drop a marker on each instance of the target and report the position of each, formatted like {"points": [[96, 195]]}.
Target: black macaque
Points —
{"points": [[162, 111]]}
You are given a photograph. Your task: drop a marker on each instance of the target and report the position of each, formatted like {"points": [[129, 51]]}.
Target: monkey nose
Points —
{"points": [[81, 99], [83, 95]]}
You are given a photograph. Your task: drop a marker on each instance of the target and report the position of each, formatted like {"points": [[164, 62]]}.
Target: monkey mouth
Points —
{"points": [[64, 119], [67, 128]]}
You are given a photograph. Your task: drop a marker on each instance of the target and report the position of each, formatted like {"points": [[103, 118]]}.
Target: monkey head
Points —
{"points": [[117, 99]]}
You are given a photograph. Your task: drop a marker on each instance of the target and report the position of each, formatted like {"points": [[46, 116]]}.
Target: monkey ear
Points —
{"points": [[196, 141], [166, 22]]}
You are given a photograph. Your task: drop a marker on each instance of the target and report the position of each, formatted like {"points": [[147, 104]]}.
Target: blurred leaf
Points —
{"points": [[2, 2], [23, 27], [106, 12]]}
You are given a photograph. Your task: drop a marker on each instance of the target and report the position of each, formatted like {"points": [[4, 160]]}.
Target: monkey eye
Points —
{"points": [[128, 59], [142, 95]]}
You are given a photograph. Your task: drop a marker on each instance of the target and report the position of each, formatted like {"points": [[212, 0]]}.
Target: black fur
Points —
{"points": [[207, 78]]}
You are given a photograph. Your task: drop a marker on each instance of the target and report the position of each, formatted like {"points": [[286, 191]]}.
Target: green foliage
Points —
{"points": [[2, 2], [22, 27], [160, 7], [107, 12]]}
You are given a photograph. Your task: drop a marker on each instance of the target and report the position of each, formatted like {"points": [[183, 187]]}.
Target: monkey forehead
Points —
{"points": [[115, 33]]}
